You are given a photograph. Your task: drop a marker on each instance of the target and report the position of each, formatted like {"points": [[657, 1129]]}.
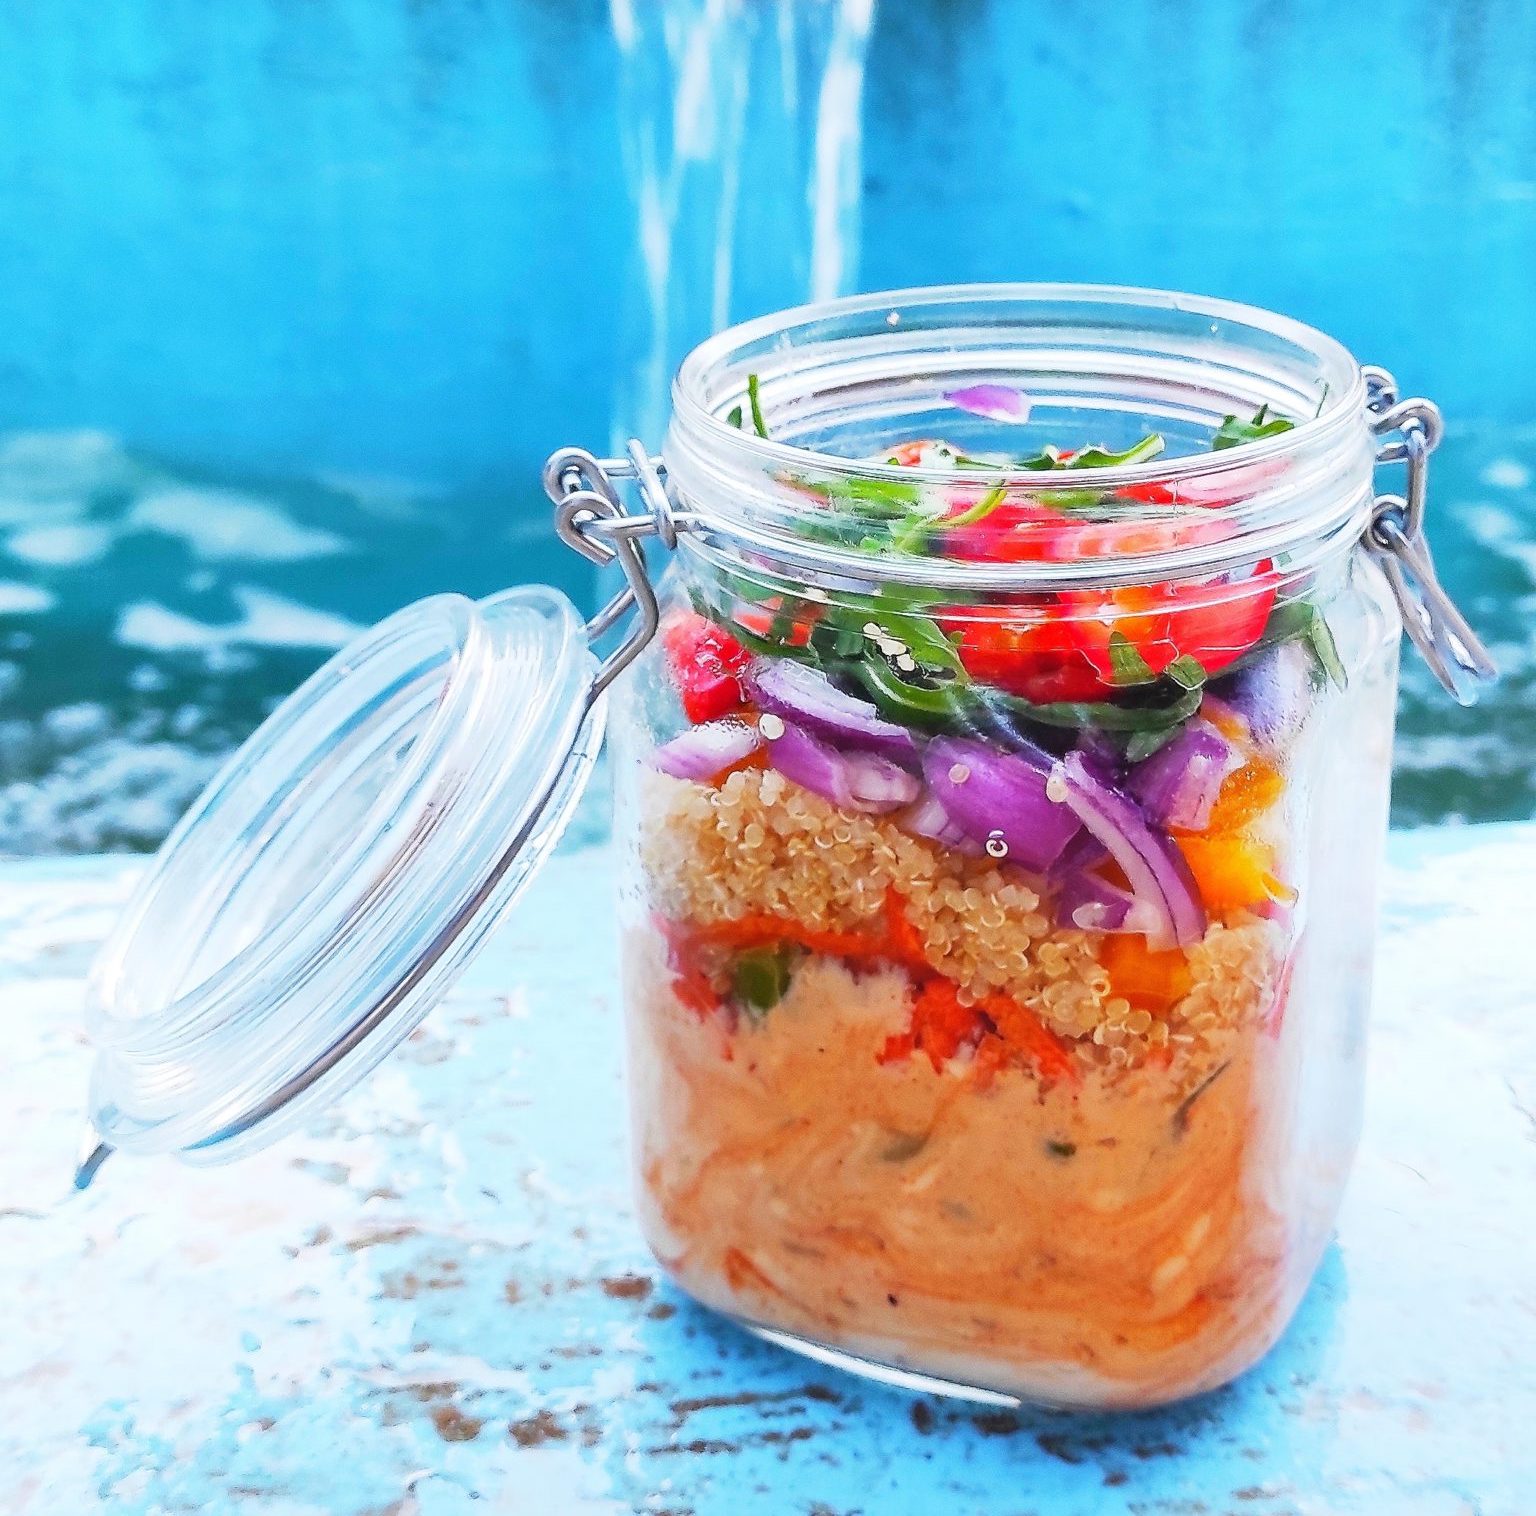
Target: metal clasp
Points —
{"points": [[590, 517], [1395, 538]]}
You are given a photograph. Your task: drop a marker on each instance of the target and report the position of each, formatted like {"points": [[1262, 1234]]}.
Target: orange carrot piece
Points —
{"points": [[1025, 1033], [906, 943], [940, 1023], [695, 991]]}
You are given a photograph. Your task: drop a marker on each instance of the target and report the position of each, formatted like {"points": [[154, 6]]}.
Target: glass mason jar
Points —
{"points": [[1001, 775], [1000, 808]]}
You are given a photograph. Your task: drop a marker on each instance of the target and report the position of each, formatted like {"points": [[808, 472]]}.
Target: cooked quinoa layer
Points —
{"points": [[759, 844]]}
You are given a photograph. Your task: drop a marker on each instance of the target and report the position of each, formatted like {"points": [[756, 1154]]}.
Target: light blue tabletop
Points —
{"points": [[436, 1301]]}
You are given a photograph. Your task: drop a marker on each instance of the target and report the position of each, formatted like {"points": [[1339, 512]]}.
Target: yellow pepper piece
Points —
{"points": [[1246, 793], [1150, 980], [1233, 872]]}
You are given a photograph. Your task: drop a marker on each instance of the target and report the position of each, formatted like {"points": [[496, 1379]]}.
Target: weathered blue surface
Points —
{"points": [[437, 1303]]}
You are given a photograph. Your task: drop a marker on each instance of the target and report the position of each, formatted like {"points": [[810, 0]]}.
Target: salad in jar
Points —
{"points": [[967, 925]]}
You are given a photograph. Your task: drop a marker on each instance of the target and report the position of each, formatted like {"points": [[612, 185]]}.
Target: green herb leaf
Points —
{"points": [[1141, 745], [1097, 457], [1233, 432], [1324, 648], [1059, 1147], [1102, 715], [875, 498], [761, 977], [1186, 671], [733, 417], [1126, 664], [755, 401]]}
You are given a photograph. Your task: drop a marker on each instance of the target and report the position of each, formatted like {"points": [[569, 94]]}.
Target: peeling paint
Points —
{"points": [[437, 1300]]}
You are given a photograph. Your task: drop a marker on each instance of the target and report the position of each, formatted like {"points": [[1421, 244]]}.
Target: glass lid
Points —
{"points": [[338, 874]]}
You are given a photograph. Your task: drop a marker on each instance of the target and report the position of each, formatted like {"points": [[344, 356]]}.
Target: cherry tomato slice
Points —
{"points": [[1212, 623], [1028, 651]]}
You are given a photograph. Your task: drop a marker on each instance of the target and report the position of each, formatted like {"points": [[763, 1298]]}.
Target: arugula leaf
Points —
{"points": [[912, 536], [755, 400], [1186, 671], [1324, 648], [1233, 432], [981, 510], [1142, 745], [877, 497], [1102, 715], [1126, 664], [1097, 457], [1292, 620]]}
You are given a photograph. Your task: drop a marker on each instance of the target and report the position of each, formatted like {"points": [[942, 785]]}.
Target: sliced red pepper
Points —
{"points": [[1212, 623], [707, 664]]}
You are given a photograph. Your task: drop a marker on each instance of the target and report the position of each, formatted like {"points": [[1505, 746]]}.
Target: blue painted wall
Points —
{"points": [[366, 262], [1368, 168], [303, 236], [390, 236]]}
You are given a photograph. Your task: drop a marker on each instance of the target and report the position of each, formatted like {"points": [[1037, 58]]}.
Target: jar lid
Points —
{"points": [[339, 873]]}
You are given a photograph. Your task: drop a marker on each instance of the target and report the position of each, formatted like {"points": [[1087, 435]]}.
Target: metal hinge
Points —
{"points": [[1395, 538], [591, 518]]}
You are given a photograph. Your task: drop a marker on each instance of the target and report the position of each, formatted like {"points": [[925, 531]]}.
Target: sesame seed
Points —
{"points": [[770, 726], [958, 773]]}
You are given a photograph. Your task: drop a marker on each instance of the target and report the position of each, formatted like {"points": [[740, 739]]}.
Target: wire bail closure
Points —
{"points": [[1395, 538], [590, 517]]}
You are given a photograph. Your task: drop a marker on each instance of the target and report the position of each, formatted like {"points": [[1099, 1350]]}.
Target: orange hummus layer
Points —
{"points": [[1095, 1242]]}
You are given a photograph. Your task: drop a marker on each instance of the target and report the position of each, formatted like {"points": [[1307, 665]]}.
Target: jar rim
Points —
{"points": [[1342, 403], [1185, 359]]}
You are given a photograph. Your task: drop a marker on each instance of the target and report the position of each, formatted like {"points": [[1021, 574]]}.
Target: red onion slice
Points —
{"points": [[1273, 694], [1092, 904], [999, 798], [926, 817], [1178, 784], [996, 402], [853, 781], [810, 699], [703, 751], [1159, 877]]}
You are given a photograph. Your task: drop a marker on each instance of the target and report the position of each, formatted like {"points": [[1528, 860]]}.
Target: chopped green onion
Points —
{"points": [[761, 977]]}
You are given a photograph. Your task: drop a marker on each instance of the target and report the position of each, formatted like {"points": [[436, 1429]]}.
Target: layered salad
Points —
{"points": [[964, 936]]}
